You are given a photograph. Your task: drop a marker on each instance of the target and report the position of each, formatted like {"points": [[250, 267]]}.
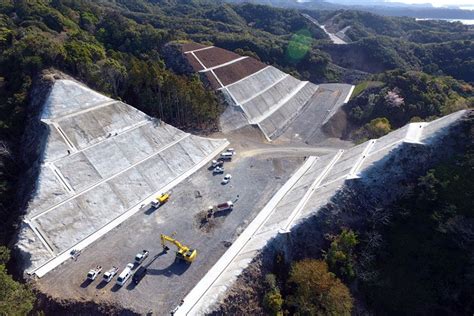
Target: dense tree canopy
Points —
{"points": [[318, 291]]}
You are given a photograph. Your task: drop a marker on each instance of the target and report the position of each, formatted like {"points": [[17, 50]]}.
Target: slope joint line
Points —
{"points": [[198, 50], [61, 178], [61, 257], [217, 78], [231, 96], [41, 237], [266, 89], [226, 260], [311, 190], [129, 129], [199, 61], [225, 64], [387, 146], [414, 132], [298, 88], [64, 136], [360, 160], [263, 131], [246, 77], [95, 107], [349, 94], [110, 178]]}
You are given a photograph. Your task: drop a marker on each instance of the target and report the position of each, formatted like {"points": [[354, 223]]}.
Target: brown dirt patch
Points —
{"points": [[204, 222], [215, 56], [191, 46], [236, 71]]}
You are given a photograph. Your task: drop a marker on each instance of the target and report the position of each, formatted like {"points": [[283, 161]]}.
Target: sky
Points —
{"points": [[440, 3]]}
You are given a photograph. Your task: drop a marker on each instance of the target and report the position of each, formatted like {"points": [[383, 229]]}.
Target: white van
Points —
{"points": [[125, 274], [226, 156]]}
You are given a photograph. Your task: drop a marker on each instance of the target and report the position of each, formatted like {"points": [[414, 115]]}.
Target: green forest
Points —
{"points": [[116, 47], [394, 98], [412, 256]]}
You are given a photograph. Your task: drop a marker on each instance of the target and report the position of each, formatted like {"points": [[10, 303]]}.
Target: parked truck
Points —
{"points": [[160, 200], [93, 273], [226, 206]]}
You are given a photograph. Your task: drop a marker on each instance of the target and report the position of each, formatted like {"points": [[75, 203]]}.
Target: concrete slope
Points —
{"points": [[265, 96], [310, 188], [101, 161]]}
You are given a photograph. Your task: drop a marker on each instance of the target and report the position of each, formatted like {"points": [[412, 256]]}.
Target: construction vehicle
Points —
{"points": [[215, 210], [183, 253], [160, 200], [226, 206], [93, 273]]}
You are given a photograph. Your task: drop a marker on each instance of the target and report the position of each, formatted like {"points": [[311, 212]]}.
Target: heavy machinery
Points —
{"points": [[183, 253]]}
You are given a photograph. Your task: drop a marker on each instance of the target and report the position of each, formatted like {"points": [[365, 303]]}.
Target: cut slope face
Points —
{"points": [[258, 94], [102, 160], [310, 188]]}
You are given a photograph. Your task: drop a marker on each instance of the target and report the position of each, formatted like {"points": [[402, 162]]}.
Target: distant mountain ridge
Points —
{"points": [[374, 6]]}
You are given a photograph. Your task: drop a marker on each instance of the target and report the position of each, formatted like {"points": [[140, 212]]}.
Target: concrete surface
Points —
{"points": [[277, 103], [255, 180], [311, 187], [254, 84], [282, 116], [306, 127], [102, 159]]}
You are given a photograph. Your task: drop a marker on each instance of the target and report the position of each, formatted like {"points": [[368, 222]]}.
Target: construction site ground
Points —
{"points": [[258, 170]]}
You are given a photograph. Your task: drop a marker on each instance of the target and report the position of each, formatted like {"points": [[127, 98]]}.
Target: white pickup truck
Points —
{"points": [[140, 257], [109, 274], [93, 273]]}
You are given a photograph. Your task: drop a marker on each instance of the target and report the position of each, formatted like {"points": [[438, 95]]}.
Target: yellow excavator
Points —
{"points": [[183, 253]]}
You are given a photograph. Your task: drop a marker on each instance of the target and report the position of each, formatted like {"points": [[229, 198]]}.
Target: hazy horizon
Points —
{"points": [[439, 3]]}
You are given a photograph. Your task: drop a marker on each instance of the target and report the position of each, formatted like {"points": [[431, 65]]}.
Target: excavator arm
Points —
{"points": [[183, 253]]}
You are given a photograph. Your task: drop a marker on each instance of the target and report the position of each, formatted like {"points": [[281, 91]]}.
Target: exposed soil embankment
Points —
{"points": [[354, 56], [359, 205], [66, 307], [31, 154]]}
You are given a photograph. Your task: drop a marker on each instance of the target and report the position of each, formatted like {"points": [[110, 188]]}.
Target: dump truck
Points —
{"points": [[184, 253], [225, 206], [160, 200]]}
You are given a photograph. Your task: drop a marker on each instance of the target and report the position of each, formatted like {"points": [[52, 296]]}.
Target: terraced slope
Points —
{"points": [[260, 95], [310, 188], [102, 159]]}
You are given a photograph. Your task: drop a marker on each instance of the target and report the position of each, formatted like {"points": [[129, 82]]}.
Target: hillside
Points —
{"points": [[395, 98], [105, 105]]}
